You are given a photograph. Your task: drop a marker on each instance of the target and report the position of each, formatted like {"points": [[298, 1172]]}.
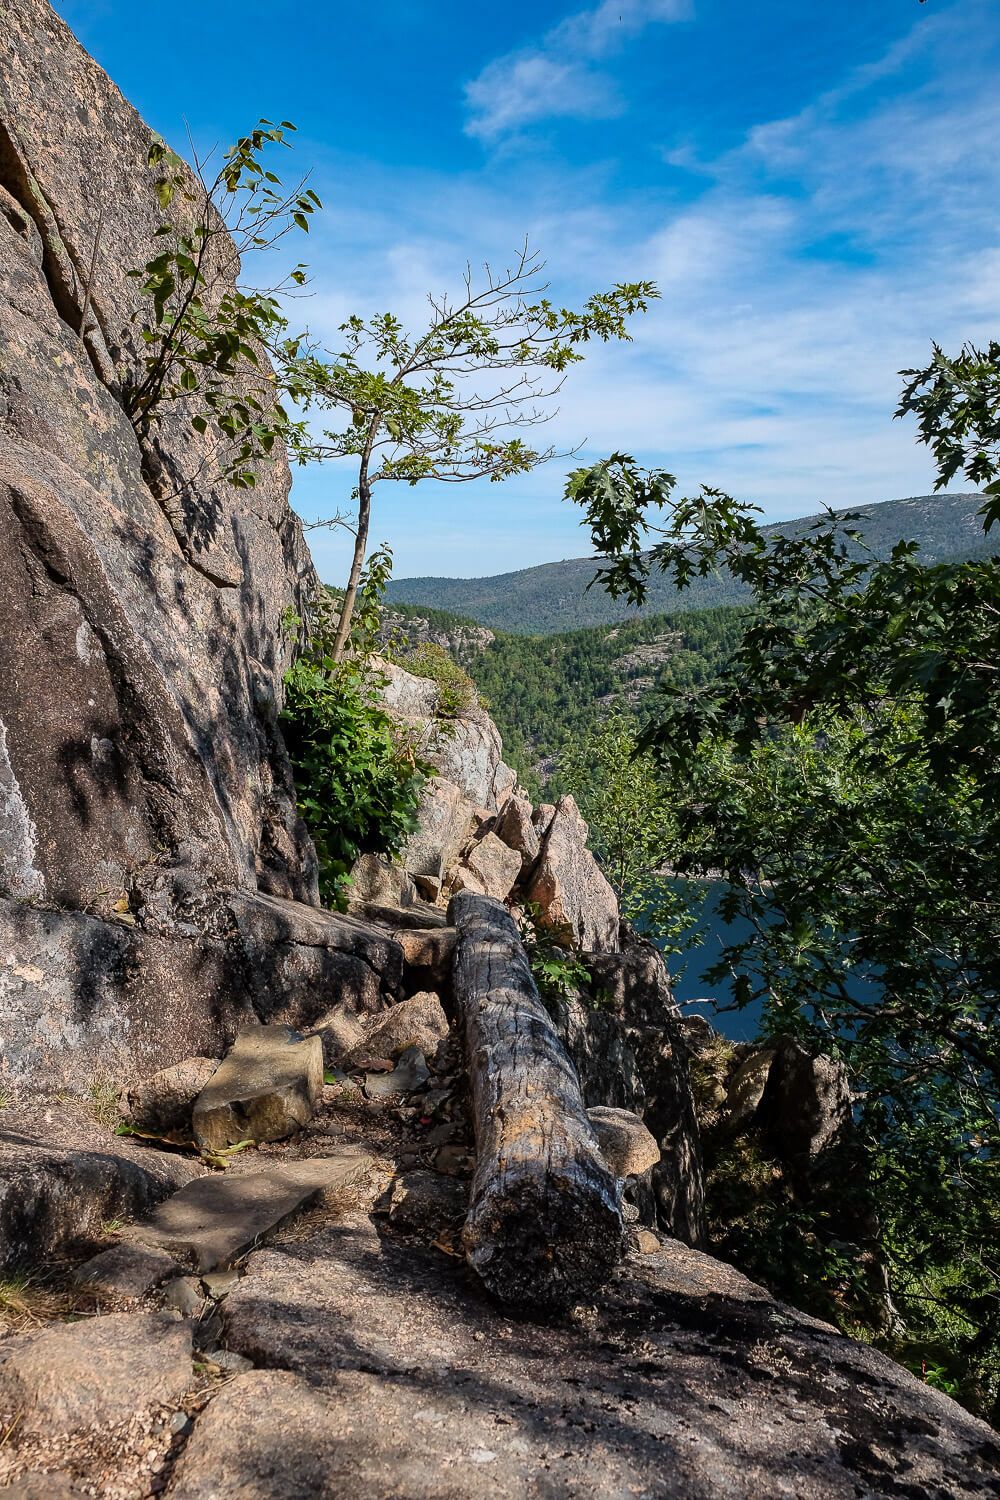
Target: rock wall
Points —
{"points": [[143, 779]]}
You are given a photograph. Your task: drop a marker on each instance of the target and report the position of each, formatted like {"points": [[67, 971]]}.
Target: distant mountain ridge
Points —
{"points": [[553, 597]]}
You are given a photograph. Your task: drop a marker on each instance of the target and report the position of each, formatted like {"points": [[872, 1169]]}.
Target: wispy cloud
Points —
{"points": [[561, 76]]}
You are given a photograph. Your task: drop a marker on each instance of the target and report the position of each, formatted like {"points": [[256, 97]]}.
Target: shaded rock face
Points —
{"points": [[143, 779], [625, 1039], [51, 1197], [146, 626], [805, 1105], [568, 886]]}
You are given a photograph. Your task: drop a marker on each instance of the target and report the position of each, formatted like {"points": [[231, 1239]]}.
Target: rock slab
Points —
{"points": [[74, 1376], [683, 1382], [264, 1090], [217, 1219], [130, 1271]]}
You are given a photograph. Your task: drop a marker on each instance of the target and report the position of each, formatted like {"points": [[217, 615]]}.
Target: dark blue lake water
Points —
{"points": [[696, 997], [691, 992]]}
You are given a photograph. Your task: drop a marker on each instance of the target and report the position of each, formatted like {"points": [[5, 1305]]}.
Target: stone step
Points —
{"points": [[216, 1220], [264, 1090]]}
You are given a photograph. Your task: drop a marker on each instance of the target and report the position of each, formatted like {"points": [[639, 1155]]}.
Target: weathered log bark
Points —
{"points": [[545, 1224]]}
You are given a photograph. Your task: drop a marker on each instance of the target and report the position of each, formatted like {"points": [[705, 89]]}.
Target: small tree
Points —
{"points": [[446, 403], [449, 403], [221, 349]]}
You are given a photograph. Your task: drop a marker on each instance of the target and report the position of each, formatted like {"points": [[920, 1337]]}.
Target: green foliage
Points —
{"points": [[220, 349], [449, 402], [357, 779], [456, 689], [840, 779], [957, 406], [633, 828], [546, 692], [557, 969]]}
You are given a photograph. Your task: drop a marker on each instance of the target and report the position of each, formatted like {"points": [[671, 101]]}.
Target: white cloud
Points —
{"points": [[559, 76]]}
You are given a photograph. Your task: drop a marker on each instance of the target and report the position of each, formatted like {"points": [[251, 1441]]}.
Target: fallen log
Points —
{"points": [[545, 1223]]}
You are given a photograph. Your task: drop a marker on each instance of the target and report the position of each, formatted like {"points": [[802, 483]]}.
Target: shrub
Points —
{"points": [[456, 689], [358, 787], [357, 778]]}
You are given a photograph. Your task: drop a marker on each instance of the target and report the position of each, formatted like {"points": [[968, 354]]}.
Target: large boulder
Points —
{"points": [[567, 886], [680, 1380], [445, 822], [81, 996], [515, 826], [805, 1105]]}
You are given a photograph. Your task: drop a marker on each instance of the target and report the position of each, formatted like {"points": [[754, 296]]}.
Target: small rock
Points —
{"points": [[162, 1104], [626, 1145], [219, 1283], [126, 1271], [183, 1295], [427, 953], [426, 1201], [180, 1424], [73, 1376], [647, 1243], [409, 1074], [232, 1364], [418, 1022], [264, 1090], [455, 1161]]}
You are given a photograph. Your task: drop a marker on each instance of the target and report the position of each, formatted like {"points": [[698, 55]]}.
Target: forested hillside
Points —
{"points": [[554, 596], [544, 689]]}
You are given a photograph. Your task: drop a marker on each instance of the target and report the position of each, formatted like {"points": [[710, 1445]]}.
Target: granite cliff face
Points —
{"points": [[143, 782]]}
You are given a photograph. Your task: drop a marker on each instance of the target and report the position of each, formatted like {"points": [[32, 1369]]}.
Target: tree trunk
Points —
{"points": [[351, 592], [545, 1223]]}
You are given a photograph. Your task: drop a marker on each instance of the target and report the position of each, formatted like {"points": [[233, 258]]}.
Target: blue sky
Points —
{"points": [[815, 187]]}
